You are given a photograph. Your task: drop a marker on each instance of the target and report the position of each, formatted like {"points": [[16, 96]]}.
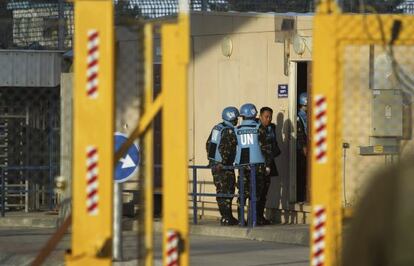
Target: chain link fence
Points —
{"points": [[36, 25], [376, 100], [47, 24], [30, 147], [377, 6]]}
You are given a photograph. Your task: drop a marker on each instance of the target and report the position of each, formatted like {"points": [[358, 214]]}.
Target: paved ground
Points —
{"points": [[18, 246]]}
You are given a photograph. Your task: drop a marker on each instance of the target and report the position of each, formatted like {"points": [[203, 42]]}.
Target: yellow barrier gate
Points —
{"points": [[93, 138], [360, 97]]}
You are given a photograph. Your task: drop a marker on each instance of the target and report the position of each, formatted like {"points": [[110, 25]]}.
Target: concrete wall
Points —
{"points": [[66, 125], [128, 77]]}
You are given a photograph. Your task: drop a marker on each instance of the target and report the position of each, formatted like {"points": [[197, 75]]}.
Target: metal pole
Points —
{"points": [[345, 146], [117, 240], [50, 142], [241, 196], [252, 220], [3, 194], [195, 195], [26, 195], [61, 37], [204, 5]]}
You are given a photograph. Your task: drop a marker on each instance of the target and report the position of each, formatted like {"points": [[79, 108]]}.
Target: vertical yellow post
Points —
{"points": [[149, 159], [326, 184], [175, 53], [93, 134]]}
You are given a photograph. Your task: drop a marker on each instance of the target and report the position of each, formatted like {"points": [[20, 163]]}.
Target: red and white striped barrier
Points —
{"points": [[93, 64], [92, 198], [318, 238], [321, 134], [172, 248]]}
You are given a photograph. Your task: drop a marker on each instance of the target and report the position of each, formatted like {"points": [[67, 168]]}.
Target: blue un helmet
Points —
{"points": [[303, 98], [230, 114], [248, 110]]}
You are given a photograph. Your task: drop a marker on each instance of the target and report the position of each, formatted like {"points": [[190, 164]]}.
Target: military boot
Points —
{"points": [[230, 217], [222, 210], [260, 219]]}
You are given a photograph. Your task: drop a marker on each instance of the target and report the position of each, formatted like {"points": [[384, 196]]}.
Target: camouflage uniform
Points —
{"points": [[266, 149], [301, 164], [224, 180]]}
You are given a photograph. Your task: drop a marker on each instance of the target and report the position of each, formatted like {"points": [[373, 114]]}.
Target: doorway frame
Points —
{"points": [[292, 115]]}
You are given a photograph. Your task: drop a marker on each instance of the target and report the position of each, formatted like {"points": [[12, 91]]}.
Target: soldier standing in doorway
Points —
{"points": [[301, 148], [265, 117]]}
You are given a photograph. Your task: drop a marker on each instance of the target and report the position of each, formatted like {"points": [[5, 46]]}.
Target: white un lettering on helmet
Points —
{"points": [[253, 111], [231, 115]]}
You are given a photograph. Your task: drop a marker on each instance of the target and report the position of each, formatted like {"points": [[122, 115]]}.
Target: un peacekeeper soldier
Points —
{"points": [[221, 150], [265, 118], [381, 231], [252, 149], [301, 148]]}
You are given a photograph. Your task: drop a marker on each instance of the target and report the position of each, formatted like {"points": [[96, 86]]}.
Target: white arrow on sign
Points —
{"points": [[127, 162]]}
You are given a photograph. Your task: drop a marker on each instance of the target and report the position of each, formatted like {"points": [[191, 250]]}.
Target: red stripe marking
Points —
{"points": [[173, 263], [93, 36], [319, 264], [92, 166], [171, 251], [92, 50], [319, 226], [318, 253], [93, 206], [172, 237], [320, 212], [93, 179], [93, 63], [320, 142], [320, 101], [92, 77], [322, 127], [92, 152], [318, 239], [93, 193], [92, 90], [321, 155], [321, 114]]}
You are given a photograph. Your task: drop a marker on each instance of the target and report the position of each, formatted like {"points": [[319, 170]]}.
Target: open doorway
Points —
{"points": [[303, 77]]}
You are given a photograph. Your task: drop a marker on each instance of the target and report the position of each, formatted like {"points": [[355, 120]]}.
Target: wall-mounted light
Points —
{"points": [[299, 45], [227, 46]]}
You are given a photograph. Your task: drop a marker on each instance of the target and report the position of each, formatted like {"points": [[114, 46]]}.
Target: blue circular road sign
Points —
{"points": [[127, 166]]}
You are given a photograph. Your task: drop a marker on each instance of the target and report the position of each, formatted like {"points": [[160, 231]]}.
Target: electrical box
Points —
{"points": [[387, 113]]}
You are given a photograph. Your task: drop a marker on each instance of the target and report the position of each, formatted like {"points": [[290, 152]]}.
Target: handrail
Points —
{"points": [[252, 194]]}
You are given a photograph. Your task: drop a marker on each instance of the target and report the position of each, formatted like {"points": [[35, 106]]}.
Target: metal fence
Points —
{"points": [[47, 24], [377, 6], [251, 221], [36, 24], [29, 147]]}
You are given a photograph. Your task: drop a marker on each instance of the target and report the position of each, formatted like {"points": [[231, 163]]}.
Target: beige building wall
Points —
{"points": [[250, 74]]}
